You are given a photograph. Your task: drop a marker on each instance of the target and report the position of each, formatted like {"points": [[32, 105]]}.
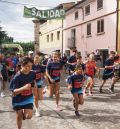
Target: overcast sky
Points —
{"points": [[12, 20]]}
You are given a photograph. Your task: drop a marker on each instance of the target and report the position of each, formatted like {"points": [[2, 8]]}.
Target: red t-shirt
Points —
{"points": [[90, 68]]}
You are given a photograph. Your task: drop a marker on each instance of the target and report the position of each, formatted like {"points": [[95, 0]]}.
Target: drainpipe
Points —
{"points": [[62, 38], [117, 22]]}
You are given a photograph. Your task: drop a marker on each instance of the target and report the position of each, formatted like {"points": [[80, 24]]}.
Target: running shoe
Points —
{"points": [[77, 113], [2, 94], [58, 108], [100, 90], [111, 90], [37, 113]]}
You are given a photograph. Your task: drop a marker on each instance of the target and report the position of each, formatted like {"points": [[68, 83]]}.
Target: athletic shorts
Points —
{"points": [[39, 86], [105, 77], [5, 77], [27, 106], [55, 81], [79, 91]]}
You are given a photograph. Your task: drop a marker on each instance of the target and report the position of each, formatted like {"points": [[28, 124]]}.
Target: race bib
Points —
{"points": [[77, 84], [26, 92]]}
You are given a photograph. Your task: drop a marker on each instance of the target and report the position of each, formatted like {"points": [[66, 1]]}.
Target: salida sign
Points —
{"points": [[44, 14]]}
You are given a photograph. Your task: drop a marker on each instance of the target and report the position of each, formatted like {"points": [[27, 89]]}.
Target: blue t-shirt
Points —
{"points": [[109, 62], [38, 69], [54, 69], [44, 64], [76, 80], [19, 80], [72, 59]]}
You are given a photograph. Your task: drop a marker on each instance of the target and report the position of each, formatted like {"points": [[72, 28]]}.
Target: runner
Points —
{"points": [[116, 71], [72, 61], [108, 71], [53, 73], [39, 71], [90, 68], [75, 83], [21, 86]]}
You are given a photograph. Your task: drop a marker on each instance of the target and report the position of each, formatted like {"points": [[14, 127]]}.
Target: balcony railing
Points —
{"points": [[71, 43]]}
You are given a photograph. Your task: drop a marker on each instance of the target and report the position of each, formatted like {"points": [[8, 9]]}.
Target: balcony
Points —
{"points": [[71, 43]]}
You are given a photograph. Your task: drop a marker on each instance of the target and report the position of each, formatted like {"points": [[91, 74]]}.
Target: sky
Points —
{"points": [[12, 20]]}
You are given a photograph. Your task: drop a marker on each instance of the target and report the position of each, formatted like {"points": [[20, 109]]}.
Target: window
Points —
{"points": [[89, 29], [58, 35], [87, 10], [100, 26], [51, 37], [99, 4], [47, 38], [76, 15]]}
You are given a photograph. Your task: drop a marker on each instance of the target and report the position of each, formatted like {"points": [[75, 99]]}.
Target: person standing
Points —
{"points": [[4, 73]]}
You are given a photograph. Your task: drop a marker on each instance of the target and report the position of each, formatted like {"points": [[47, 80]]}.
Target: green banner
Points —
{"points": [[44, 14]]}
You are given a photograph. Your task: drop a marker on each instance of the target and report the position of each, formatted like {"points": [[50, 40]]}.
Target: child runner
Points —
{"points": [[72, 61], [75, 83], [108, 71], [90, 68], [39, 71], [53, 73], [116, 71], [22, 86]]}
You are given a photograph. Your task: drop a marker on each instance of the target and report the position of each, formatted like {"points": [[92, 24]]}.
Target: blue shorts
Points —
{"points": [[27, 106], [79, 91], [39, 86]]}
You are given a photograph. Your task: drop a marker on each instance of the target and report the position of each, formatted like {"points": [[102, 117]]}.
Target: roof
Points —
{"points": [[75, 5]]}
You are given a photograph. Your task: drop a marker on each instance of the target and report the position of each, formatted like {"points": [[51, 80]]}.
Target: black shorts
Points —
{"points": [[27, 106], [10, 73], [105, 77], [5, 77]]}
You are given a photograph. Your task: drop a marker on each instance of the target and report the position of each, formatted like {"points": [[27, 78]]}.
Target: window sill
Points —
{"points": [[87, 14], [101, 33], [88, 36], [99, 8]]}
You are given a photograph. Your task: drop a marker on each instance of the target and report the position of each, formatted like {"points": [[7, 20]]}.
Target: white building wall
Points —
{"points": [[103, 41]]}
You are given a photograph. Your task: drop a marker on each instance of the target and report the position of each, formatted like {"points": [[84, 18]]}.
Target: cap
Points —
{"points": [[30, 52]]}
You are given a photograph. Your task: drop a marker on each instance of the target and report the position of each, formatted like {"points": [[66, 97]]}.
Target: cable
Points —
{"points": [[23, 4]]}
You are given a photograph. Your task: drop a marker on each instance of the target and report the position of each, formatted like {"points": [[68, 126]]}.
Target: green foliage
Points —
{"points": [[27, 46], [4, 37]]}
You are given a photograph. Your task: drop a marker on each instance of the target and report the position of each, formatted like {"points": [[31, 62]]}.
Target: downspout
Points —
{"points": [[117, 21], [62, 38]]}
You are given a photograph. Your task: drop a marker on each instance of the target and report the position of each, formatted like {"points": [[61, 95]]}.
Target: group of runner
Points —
{"points": [[31, 74]]}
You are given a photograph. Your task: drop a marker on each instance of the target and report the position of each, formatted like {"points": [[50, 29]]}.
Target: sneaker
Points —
{"points": [[2, 94], [77, 113], [90, 94], [58, 108], [100, 90], [111, 90], [37, 113]]}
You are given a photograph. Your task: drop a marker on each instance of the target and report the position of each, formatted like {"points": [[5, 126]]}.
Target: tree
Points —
{"points": [[4, 37]]}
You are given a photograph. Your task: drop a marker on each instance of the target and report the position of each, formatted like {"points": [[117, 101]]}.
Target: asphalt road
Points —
{"points": [[100, 111]]}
